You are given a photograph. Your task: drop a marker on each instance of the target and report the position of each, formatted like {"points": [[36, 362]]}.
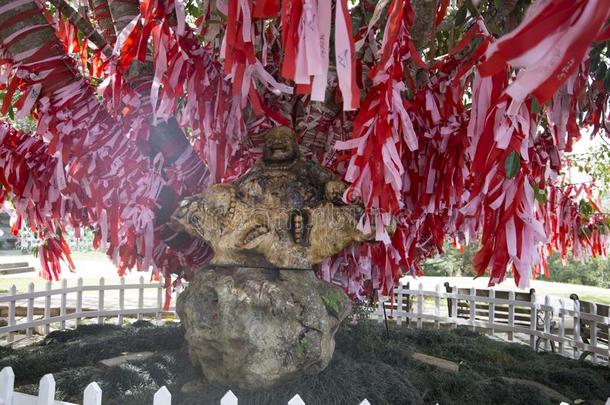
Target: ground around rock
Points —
{"points": [[368, 363]]}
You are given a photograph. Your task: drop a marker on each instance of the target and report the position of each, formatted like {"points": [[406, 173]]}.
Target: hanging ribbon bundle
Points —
{"points": [[408, 155], [93, 157], [558, 34], [29, 175], [306, 29], [382, 129], [548, 46]]}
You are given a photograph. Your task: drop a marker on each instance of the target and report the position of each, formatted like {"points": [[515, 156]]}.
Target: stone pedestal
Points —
{"points": [[256, 328]]}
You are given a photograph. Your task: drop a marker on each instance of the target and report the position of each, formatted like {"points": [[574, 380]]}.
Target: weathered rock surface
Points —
{"points": [[255, 328]]}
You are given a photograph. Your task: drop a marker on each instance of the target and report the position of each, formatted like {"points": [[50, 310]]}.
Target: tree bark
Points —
{"points": [[103, 17], [425, 12], [83, 25], [40, 34], [123, 11]]}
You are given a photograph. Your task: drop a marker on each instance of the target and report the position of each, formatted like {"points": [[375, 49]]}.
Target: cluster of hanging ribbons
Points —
{"points": [[114, 156]]}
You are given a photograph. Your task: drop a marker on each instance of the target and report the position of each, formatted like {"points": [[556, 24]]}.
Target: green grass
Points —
{"points": [[367, 364], [597, 298]]}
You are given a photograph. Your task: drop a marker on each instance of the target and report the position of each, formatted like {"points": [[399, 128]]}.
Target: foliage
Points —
{"points": [[455, 263], [367, 363], [452, 262], [595, 272], [596, 163]]}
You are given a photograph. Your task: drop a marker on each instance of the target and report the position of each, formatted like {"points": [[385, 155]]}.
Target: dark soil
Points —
{"points": [[367, 364]]}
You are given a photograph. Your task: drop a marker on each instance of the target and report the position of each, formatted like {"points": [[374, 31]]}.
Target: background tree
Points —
{"points": [[431, 117]]}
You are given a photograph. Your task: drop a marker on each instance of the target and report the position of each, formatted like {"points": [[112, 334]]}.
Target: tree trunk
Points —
{"points": [[123, 11]]}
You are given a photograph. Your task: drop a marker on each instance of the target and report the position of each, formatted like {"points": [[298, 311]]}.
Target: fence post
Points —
{"points": [[46, 390], [140, 298], [163, 397], [79, 301], [511, 314], [228, 399], [437, 306], [62, 308], [159, 300], [11, 313], [473, 307], [491, 311], [7, 383], [399, 304], [420, 305], [296, 400], [121, 300], [593, 339], [533, 320], [92, 394], [562, 326], [47, 308], [454, 311], [100, 301], [30, 314], [577, 338], [547, 321]]}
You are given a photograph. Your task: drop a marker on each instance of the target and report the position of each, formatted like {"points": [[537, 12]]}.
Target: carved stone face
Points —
{"points": [[280, 146]]}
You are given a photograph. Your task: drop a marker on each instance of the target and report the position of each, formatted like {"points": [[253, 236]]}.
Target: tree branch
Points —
{"points": [[103, 18], [83, 25], [425, 12], [123, 11], [40, 34]]}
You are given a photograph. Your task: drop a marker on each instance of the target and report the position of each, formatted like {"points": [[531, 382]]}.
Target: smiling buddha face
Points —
{"points": [[280, 146]]}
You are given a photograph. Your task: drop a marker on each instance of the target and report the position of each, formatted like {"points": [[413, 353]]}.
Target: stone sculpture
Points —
{"points": [[286, 212], [257, 316]]}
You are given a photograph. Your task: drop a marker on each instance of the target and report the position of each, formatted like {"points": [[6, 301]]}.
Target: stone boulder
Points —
{"points": [[256, 328]]}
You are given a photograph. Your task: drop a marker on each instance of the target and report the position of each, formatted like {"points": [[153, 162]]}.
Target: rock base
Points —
{"points": [[257, 328]]}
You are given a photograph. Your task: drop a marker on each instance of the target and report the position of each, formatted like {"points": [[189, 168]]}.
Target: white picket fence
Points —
{"points": [[65, 305], [92, 394], [570, 342], [68, 306]]}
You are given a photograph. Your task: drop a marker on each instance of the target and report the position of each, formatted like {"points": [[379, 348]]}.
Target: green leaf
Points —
{"points": [[460, 16], [585, 208], [511, 164], [192, 8], [535, 106], [539, 194]]}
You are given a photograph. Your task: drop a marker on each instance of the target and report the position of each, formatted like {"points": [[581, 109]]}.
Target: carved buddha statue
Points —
{"points": [[285, 212]]}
